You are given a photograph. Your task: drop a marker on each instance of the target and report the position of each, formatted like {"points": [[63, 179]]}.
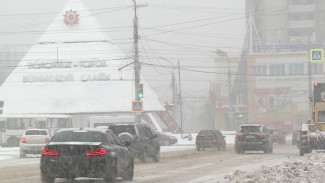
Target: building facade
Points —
{"points": [[277, 91], [288, 21]]}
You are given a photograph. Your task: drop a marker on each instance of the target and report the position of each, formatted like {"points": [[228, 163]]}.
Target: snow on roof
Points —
{"points": [[72, 70]]}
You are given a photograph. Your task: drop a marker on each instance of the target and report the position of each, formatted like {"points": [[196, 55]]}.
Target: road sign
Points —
{"points": [[316, 55], [137, 106]]}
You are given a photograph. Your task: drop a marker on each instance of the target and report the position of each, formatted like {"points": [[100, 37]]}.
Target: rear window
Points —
{"points": [[117, 129], [210, 132], [36, 132], [253, 129], [78, 136]]}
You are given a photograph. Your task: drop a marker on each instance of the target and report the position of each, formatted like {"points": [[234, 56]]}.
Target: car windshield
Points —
{"points": [[36, 132], [209, 132], [77, 136]]}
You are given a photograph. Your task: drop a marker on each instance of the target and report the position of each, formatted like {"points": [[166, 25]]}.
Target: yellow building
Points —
{"points": [[277, 90]]}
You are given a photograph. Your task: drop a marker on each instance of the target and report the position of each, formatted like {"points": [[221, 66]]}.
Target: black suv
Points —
{"points": [[89, 152], [253, 137], [278, 134], [210, 138], [143, 141]]}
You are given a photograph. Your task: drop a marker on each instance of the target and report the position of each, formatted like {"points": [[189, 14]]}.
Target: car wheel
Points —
{"points": [[203, 148], [242, 150], [156, 157], [130, 171], [22, 155], [302, 151], [110, 176], [309, 150], [144, 157], [198, 148], [70, 179], [224, 146], [47, 179], [166, 143]]}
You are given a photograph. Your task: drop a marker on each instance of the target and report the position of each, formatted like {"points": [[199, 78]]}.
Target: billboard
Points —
{"points": [[270, 100]]}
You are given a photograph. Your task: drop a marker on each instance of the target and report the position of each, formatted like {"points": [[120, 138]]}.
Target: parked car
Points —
{"points": [[164, 139], [88, 152], [143, 141], [253, 137], [278, 134], [33, 141], [210, 139]]}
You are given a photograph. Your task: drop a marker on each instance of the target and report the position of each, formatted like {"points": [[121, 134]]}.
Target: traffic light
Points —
{"points": [[140, 90]]}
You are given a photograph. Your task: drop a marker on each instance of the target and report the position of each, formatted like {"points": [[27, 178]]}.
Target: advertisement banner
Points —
{"points": [[272, 100]]}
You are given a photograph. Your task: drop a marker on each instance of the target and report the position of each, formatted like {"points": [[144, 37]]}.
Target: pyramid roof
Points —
{"points": [[73, 69]]}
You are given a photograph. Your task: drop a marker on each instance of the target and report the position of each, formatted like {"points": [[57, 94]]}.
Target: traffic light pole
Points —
{"points": [[137, 66], [180, 98]]}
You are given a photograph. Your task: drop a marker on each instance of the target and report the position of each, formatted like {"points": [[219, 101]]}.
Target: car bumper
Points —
{"points": [[63, 167], [207, 144], [31, 148], [251, 146]]}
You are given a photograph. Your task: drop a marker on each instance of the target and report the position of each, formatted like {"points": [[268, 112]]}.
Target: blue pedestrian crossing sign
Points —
{"points": [[137, 106], [316, 55]]}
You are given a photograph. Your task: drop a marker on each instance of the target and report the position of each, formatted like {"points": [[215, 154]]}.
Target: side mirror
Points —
{"points": [[154, 135]]}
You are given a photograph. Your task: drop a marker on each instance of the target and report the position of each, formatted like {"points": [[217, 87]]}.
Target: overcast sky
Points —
{"points": [[188, 31]]}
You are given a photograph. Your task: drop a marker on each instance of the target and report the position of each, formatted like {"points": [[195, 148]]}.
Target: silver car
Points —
{"points": [[33, 141]]}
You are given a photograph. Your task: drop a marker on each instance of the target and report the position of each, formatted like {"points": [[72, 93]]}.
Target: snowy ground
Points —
{"points": [[310, 169]]}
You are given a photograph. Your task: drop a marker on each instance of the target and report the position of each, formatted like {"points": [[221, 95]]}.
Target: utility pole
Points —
{"points": [[137, 66], [180, 98], [309, 80]]}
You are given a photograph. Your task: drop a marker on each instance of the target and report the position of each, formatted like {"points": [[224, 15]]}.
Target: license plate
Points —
{"points": [[250, 137]]}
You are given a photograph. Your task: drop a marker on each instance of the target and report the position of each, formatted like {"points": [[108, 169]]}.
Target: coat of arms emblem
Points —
{"points": [[71, 18]]}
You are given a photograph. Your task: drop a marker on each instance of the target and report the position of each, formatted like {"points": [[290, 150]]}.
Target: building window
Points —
{"points": [[301, 32], [295, 2], [240, 100], [277, 70], [302, 16], [259, 70], [317, 68], [296, 69]]}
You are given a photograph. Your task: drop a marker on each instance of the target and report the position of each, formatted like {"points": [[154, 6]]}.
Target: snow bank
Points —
{"points": [[310, 169]]}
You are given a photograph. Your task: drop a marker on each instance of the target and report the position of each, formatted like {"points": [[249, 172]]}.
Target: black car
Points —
{"points": [[278, 134], [210, 139], [143, 141], [89, 152], [165, 139], [253, 137]]}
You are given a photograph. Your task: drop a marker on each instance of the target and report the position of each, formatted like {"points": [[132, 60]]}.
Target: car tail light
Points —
{"points": [[48, 152], [138, 139], [47, 139], [261, 134], [23, 139], [298, 132], [96, 152], [214, 140], [239, 134]]}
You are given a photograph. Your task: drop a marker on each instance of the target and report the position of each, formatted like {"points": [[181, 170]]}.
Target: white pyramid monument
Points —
{"points": [[73, 69]]}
